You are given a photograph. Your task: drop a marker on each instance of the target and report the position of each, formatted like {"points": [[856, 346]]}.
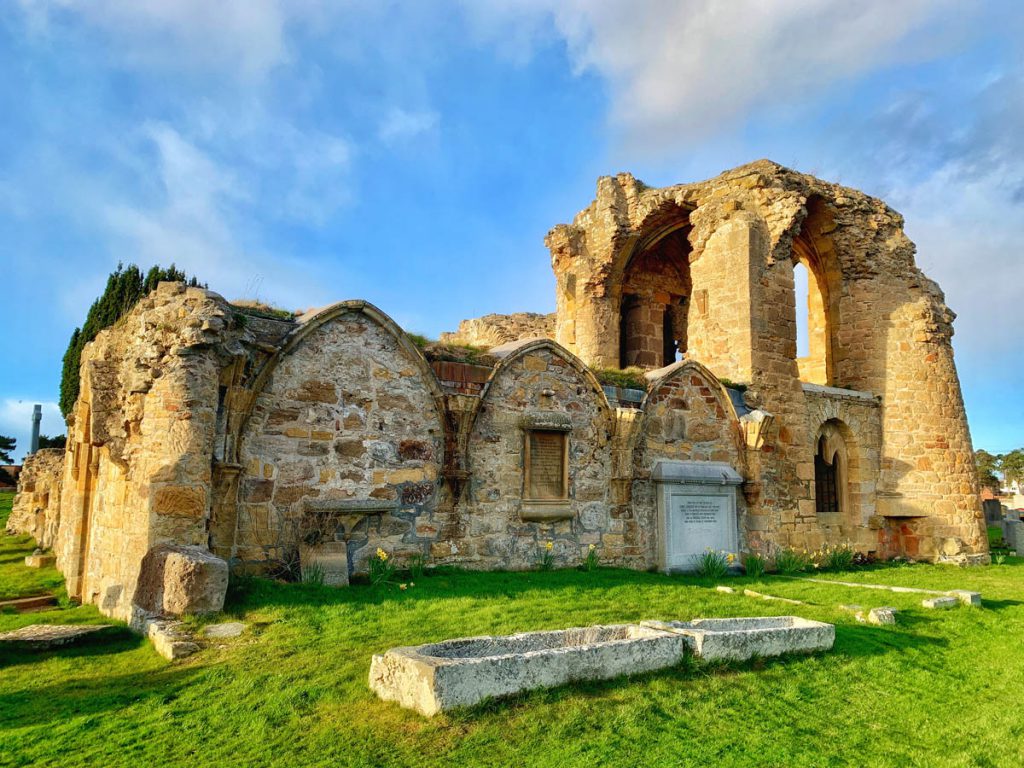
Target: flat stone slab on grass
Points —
{"points": [[223, 631], [40, 637], [940, 602], [745, 638], [459, 673], [965, 596], [26, 604]]}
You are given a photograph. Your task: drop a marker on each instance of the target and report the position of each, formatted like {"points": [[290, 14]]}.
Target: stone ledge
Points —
{"points": [[352, 506], [540, 511]]}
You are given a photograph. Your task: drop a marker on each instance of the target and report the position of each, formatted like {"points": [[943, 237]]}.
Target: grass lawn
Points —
{"points": [[941, 688]]}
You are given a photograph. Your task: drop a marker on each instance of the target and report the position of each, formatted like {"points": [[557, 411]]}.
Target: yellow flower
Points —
{"points": [[592, 547], [550, 545], [381, 554], [402, 586], [731, 558], [412, 583]]}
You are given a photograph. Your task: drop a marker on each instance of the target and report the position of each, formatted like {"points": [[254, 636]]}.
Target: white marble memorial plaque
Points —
{"points": [[697, 523]]}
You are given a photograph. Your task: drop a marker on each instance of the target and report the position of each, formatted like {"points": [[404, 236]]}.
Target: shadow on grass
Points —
{"points": [[855, 641], [254, 593], [1000, 605], [105, 642], [92, 696]]}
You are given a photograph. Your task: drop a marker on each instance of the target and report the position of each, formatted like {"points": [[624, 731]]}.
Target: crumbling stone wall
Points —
{"points": [[201, 428], [137, 471], [888, 330], [36, 509], [494, 330]]}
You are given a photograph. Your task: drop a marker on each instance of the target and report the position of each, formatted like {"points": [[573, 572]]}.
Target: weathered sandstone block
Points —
{"points": [[181, 580]]}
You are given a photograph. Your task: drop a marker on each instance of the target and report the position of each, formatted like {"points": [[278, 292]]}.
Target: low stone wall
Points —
{"points": [[494, 330], [36, 509]]}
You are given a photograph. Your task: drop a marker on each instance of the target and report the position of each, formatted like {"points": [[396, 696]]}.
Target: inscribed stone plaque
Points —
{"points": [[698, 523], [547, 469]]}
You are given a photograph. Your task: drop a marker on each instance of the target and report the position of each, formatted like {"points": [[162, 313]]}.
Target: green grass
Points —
{"points": [[6, 500], [939, 689]]}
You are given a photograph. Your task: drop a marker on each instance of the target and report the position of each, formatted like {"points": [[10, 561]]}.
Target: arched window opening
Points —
{"points": [[803, 299], [826, 479], [816, 282], [655, 288]]}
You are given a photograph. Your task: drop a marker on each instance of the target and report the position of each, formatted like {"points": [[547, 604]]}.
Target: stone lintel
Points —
{"points": [[352, 506], [541, 511], [696, 472]]}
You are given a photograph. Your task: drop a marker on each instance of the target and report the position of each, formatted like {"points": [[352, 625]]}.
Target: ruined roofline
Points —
{"points": [[763, 175]]}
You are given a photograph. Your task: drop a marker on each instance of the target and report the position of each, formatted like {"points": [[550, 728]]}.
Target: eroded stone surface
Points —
{"points": [[458, 673], [744, 638], [45, 636], [180, 580], [225, 630], [941, 603]]}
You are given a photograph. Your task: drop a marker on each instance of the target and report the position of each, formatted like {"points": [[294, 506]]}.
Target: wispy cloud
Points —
{"points": [[680, 72], [400, 125], [244, 37]]}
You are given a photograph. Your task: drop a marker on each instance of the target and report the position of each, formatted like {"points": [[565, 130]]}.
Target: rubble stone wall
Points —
{"points": [[494, 330], [36, 509], [541, 381], [349, 416]]}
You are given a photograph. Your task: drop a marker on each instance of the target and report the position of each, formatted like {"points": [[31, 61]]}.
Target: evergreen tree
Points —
{"points": [[125, 286], [59, 441], [6, 446]]}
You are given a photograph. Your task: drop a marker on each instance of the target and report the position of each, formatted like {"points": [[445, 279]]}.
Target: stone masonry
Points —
{"points": [[262, 443]]}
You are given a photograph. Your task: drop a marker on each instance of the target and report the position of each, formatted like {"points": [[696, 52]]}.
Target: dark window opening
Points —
{"points": [[826, 481]]}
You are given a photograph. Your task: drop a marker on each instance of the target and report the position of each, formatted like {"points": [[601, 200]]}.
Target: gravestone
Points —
{"points": [[696, 511], [1013, 535], [993, 511]]}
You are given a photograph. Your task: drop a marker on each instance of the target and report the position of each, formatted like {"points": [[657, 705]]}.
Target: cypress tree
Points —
{"points": [[125, 286]]}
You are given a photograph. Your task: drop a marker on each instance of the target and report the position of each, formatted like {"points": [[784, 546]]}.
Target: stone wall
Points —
{"points": [[880, 326], [137, 472], [540, 383], [199, 427], [687, 416], [36, 509], [345, 442], [494, 330]]}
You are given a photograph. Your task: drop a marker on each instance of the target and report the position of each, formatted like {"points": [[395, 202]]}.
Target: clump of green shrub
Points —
{"points": [[789, 561], [591, 561], [625, 378], [839, 558], [754, 565], [715, 564]]}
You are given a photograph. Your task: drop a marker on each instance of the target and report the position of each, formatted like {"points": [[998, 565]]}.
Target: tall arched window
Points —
{"points": [[817, 283], [827, 493]]}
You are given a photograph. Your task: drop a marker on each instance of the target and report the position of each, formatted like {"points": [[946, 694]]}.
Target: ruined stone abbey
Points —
{"points": [[204, 429]]}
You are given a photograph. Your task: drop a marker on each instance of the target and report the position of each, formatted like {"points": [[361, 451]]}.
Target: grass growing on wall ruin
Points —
{"points": [[938, 689]]}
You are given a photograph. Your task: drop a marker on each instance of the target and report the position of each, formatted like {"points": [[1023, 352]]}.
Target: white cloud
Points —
{"points": [[200, 213], [244, 36], [16, 422], [679, 72], [401, 125]]}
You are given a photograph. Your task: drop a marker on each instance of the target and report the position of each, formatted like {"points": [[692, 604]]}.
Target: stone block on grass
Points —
{"points": [[181, 580]]}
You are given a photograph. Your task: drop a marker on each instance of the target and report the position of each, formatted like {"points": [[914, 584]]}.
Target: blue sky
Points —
{"points": [[415, 154]]}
